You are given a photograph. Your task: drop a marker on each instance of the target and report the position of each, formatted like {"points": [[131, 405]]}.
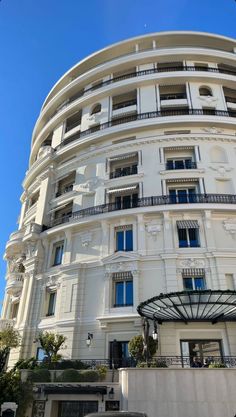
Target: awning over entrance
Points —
{"points": [[74, 389], [201, 305]]}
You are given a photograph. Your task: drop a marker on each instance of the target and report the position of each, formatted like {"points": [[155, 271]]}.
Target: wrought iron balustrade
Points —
{"points": [[145, 202], [123, 172], [64, 190], [185, 111], [186, 165], [230, 99], [124, 104], [174, 96]]}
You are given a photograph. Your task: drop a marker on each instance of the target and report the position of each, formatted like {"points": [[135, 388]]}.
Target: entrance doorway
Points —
{"points": [[76, 408], [119, 354], [201, 349]]}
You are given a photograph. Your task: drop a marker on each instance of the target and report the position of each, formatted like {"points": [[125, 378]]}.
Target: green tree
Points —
{"points": [[12, 389], [135, 347], [9, 338], [51, 344]]}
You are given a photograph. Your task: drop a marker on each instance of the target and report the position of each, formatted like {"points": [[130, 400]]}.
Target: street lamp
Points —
{"points": [[154, 333], [89, 339]]}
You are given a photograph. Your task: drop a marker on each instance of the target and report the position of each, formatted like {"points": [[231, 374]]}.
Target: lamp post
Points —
{"points": [[89, 339]]}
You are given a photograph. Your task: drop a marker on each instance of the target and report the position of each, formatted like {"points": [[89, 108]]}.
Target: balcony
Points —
{"points": [[65, 190], [182, 164], [5, 323], [145, 202], [14, 283], [124, 107], [123, 172], [149, 115]]}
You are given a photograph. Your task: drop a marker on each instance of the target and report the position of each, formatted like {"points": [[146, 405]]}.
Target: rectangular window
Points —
{"points": [[188, 234], [123, 289], [58, 253], [51, 303], [124, 238], [191, 283]]}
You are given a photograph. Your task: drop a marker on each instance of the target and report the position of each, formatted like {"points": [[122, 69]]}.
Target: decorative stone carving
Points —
{"points": [[221, 169], [15, 264], [153, 229], [212, 129], [121, 267], [39, 408], [208, 99], [89, 186], [53, 282], [192, 263], [230, 226], [86, 239]]}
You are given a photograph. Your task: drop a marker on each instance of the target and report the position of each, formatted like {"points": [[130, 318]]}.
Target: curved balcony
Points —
{"points": [[146, 202], [150, 115], [14, 283], [185, 68], [143, 73]]}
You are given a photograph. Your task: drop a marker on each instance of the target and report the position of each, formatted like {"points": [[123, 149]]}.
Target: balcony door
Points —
{"points": [[201, 349], [182, 195], [119, 354], [126, 201]]}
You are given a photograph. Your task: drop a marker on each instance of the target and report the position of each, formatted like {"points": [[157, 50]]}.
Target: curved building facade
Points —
{"points": [[130, 193]]}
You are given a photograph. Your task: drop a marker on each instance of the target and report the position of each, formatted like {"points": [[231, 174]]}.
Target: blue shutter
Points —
{"points": [[119, 294], [120, 240], [129, 293], [129, 240]]}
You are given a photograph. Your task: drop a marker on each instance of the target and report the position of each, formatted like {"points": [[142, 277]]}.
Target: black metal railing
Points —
{"points": [[230, 99], [64, 190], [145, 202], [149, 115], [124, 104], [123, 172], [158, 362], [142, 73], [185, 165], [174, 96]]}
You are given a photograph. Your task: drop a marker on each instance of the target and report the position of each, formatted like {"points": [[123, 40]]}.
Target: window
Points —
{"points": [[51, 303], [182, 195], [188, 234], [14, 310], [58, 253], [123, 289], [205, 91], [194, 283], [96, 109], [185, 163], [124, 238], [194, 279]]}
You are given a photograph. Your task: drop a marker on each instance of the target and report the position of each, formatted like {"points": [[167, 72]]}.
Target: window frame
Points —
{"points": [[188, 239], [51, 306], [193, 279], [127, 243], [57, 246]]}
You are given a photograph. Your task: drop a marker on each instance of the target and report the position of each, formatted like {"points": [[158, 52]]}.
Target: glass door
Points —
{"points": [[198, 352]]}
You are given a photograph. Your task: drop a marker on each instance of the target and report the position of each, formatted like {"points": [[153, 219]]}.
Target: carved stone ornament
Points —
{"points": [[208, 99], [153, 229], [221, 170], [86, 239], [230, 226], [121, 267], [15, 264], [192, 263], [212, 129], [53, 282]]}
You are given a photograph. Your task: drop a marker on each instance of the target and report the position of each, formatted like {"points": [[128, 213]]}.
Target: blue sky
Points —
{"points": [[41, 39]]}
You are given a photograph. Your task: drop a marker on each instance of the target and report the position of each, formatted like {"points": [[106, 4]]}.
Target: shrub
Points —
{"points": [[102, 371], [40, 375], [70, 364], [158, 363], [69, 375], [72, 375], [135, 347], [217, 365]]}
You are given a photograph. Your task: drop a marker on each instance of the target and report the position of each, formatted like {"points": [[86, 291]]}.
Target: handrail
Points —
{"points": [[149, 115], [142, 73], [146, 202]]}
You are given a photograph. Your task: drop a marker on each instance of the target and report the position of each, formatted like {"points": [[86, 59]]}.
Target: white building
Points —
{"points": [[130, 192]]}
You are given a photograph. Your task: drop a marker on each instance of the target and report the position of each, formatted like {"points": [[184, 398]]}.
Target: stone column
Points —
{"points": [[43, 195], [168, 238], [139, 241], [68, 247]]}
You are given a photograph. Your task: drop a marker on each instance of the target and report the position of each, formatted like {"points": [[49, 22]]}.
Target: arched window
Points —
{"points": [[205, 91], [96, 109]]}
